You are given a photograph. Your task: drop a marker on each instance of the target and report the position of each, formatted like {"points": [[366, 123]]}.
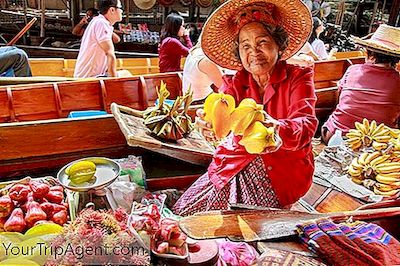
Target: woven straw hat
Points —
{"points": [[186, 2], [385, 40], [221, 29], [166, 2], [144, 4], [204, 3]]}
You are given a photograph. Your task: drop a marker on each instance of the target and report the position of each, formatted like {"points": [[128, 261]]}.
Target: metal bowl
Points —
{"points": [[107, 171]]}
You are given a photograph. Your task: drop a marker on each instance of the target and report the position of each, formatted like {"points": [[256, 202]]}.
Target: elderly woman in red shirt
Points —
{"points": [[255, 38]]}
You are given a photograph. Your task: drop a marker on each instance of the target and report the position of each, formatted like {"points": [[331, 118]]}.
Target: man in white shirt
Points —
{"points": [[96, 55]]}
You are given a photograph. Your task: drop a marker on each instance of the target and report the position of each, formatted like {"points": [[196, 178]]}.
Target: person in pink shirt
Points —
{"points": [[171, 49], [370, 90], [96, 56]]}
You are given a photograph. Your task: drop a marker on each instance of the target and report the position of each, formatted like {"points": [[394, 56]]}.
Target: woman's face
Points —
{"points": [[181, 29], [258, 51]]}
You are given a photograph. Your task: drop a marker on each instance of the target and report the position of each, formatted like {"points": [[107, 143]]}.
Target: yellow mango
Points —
{"points": [[257, 138], [245, 114], [212, 99], [221, 114], [209, 104]]}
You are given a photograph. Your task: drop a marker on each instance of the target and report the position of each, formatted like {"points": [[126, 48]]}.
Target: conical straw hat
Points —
{"points": [[221, 29], [144, 4], [385, 40]]}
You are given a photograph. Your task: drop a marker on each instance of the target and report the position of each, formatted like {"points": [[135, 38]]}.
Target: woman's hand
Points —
{"points": [[84, 20], [272, 122], [204, 127], [186, 32]]}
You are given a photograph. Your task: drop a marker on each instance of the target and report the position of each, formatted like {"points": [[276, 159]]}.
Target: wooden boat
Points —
{"points": [[35, 130], [68, 53], [60, 69], [148, 65]]}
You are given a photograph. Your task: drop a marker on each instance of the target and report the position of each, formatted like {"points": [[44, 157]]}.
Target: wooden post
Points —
{"points": [[25, 20], [394, 12], [127, 11], [74, 11], [42, 17], [373, 16], [383, 10]]}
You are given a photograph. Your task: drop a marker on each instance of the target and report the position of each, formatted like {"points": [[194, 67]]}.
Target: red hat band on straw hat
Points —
{"points": [[257, 13]]}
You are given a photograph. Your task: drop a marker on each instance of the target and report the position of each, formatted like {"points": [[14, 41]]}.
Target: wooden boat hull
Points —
{"points": [[327, 73], [42, 51]]}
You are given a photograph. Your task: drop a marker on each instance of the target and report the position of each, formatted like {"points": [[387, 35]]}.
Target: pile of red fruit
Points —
{"points": [[170, 239], [31, 204]]}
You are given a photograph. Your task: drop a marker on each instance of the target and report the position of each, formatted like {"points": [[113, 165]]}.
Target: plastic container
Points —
{"points": [[166, 101], [75, 114], [336, 139]]}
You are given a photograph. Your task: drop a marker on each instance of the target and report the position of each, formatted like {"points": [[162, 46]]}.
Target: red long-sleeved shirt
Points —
{"points": [[369, 91], [290, 98], [171, 52]]}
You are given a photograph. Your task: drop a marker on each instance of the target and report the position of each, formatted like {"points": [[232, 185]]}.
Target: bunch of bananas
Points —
{"points": [[169, 122], [245, 120], [368, 134], [376, 171]]}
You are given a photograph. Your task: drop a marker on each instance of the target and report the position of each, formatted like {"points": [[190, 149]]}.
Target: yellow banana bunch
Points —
{"points": [[394, 132], [395, 156], [386, 192], [368, 134], [377, 172], [258, 137], [396, 143], [365, 166], [245, 115], [218, 108], [168, 122], [389, 168]]}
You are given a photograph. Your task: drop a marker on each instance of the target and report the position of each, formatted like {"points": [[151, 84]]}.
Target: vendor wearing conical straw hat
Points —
{"points": [[370, 90], [255, 37]]}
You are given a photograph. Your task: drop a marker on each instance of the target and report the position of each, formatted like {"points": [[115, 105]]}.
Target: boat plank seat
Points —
{"points": [[327, 73], [58, 99], [357, 60], [327, 99], [47, 67], [21, 143], [69, 67], [136, 66], [349, 54]]}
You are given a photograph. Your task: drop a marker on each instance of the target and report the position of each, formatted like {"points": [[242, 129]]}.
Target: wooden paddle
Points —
{"points": [[258, 225], [22, 32]]}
